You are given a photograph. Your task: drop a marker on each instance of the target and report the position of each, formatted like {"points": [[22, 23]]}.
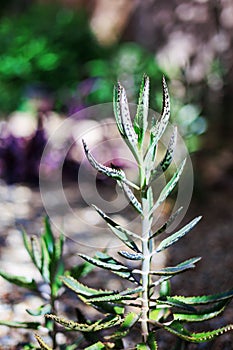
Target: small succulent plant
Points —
{"points": [[150, 293]]}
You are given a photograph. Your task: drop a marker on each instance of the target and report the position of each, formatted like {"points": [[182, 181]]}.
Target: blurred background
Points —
{"points": [[59, 57]]}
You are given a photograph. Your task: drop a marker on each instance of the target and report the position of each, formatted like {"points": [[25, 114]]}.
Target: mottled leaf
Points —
{"points": [[201, 315], [205, 299], [131, 256], [166, 224], [26, 325], [179, 330], [131, 197], [167, 242], [108, 322], [123, 234], [174, 270], [164, 164], [169, 186], [20, 281], [42, 344], [80, 288], [140, 120], [130, 320]]}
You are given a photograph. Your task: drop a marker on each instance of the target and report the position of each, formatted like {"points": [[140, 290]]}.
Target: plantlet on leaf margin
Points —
{"points": [[165, 311]]}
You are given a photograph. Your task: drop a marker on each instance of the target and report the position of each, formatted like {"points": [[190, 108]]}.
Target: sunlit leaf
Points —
{"points": [[108, 322], [123, 234], [179, 330], [21, 281], [42, 344], [14, 324], [140, 120], [167, 242]]}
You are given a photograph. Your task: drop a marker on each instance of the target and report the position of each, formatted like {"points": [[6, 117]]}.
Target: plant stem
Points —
{"points": [[146, 227]]}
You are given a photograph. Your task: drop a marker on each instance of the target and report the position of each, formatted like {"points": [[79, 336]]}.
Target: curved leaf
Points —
{"points": [[202, 315], [140, 120], [80, 288], [174, 270], [167, 242], [167, 224], [112, 265], [164, 164], [15, 324], [123, 234], [160, 126], [131, 256], [129, 131], [108, 322], [178, 329], [124, 295], [130, 320], [20, 281], [205, 299], [42, 344], [131, 197], [169, 186]]}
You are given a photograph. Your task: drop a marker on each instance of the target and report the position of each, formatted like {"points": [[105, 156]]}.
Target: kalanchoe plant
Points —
{"points": [[155, 310], [46, 253]]}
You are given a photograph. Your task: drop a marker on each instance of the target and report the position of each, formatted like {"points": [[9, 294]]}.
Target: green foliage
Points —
{"points": [[155, 312], [38, 46], [46, 254]]}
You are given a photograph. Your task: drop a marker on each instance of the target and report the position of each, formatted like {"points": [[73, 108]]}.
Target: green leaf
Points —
{"points": [[42, 344], [45, 261], [131, 256], [159, 128], [142, 346], [27, 244], [128, 129], [152, 342], [124, 295], [186, 265], [117, 108], [14, 324], [178, 329], [41, 310], [20, 281], [164, 164], [48, 236], [116, 174], [80, 288], [161, 125], [201, 315], [97, 346], [123, 234], [169, 301], [105, 306], [165, 289], [108, 322], [131, 197], [167, 242], [140, 120], [169, 186], [81, 270], [130, 320], [166, 224], [205, 299], [108, 263], [85, 293], [36, 252]]}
